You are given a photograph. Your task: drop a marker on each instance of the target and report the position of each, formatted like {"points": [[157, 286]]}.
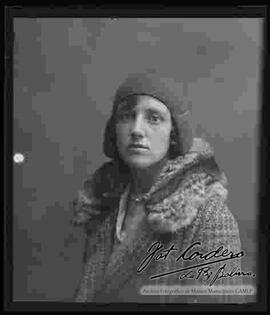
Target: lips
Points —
{"points": [[137, 146]]}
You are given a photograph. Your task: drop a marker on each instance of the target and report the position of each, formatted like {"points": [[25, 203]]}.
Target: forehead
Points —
{"points": [[143, 102]]}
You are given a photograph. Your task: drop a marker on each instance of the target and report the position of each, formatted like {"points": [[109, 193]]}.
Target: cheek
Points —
{"points": [[121, 132], [162, 140]]}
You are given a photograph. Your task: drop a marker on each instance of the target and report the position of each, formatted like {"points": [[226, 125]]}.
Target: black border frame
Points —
{"points": [[15, 11]]}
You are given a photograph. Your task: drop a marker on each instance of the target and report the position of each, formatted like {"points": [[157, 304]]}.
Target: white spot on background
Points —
{"points": [[18, 158]]}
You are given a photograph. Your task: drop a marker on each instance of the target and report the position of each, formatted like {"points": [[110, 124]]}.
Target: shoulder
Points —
{"points": [[215, 224], [193, 201], [216, 220], [192, 187]]}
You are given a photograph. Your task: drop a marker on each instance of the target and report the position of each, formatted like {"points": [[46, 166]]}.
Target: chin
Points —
{"points": [[139, 163]]}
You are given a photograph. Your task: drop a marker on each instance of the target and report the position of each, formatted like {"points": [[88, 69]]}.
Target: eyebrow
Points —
{"points": [[150, 109], [156, 110], [130, 104], [127, 103]]}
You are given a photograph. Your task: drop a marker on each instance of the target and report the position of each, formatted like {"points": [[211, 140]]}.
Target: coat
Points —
{"points": [[187, 223]]}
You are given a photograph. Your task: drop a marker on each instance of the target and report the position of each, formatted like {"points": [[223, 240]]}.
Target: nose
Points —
{"points": [[137, 128]]}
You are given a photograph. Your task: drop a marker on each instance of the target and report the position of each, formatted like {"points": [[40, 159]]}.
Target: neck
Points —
{"points": [[143, 179]]}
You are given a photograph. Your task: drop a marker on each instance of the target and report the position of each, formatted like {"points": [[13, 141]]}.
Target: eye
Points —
{"points": [[154, 118], [124, 116]]}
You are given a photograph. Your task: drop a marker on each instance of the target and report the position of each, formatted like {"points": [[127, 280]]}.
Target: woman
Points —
{"points": [[158, 207]]}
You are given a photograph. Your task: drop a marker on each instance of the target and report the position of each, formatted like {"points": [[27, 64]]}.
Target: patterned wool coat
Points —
{"points": [[185, 208]]}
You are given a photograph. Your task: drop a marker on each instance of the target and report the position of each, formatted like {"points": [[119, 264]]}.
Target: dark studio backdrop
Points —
{"points": [[66, 71]]}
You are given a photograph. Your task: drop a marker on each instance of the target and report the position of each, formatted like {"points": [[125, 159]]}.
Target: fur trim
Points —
{"points": [[182, 187], [181, 207], [185, 185]]}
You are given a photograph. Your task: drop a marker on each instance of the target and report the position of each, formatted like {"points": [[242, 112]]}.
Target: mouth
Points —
{"points": [[137, 146]]}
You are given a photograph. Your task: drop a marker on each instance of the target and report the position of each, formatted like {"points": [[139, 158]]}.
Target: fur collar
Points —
{"points": [[182, 187]]}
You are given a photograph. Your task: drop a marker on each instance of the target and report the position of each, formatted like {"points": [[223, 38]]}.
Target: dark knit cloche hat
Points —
{"points": [[166, 90]]}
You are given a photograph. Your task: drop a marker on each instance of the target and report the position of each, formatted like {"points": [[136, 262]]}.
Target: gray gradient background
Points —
{"points": [[65, 75]]}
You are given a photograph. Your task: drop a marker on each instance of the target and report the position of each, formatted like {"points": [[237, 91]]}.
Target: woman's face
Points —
{"points": [[143, 128]]}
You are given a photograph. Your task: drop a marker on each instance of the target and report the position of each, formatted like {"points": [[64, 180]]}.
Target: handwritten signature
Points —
{"points": [[198, 271]]}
